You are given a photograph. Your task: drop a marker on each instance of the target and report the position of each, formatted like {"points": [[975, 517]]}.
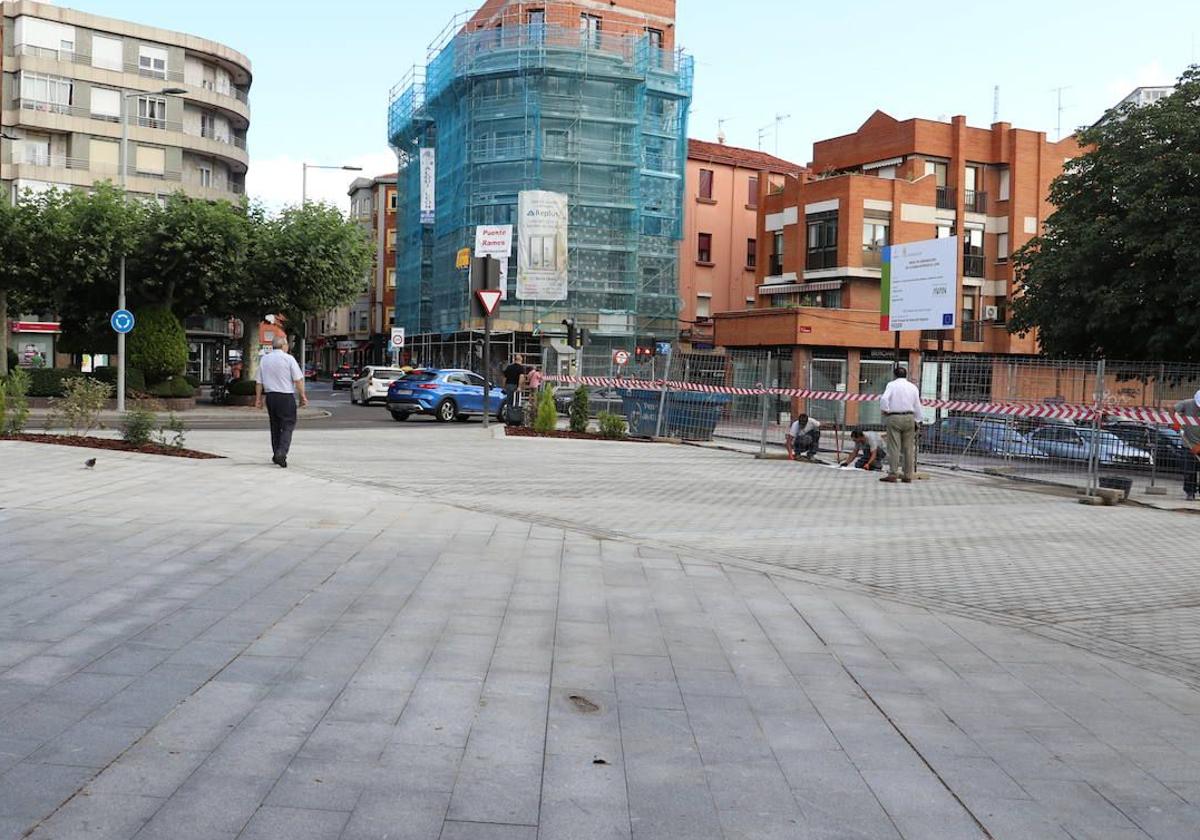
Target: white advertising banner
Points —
{"points": [[542, 245], [428, 185], [920, 285]]}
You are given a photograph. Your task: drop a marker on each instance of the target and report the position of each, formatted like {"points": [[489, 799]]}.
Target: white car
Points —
{"points": [[372, 384]]}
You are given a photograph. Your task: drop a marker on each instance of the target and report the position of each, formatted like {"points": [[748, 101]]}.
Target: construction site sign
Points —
{"points": [[919, 285], [542, 226]]}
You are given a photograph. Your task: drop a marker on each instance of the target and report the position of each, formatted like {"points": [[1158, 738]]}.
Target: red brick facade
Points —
{"points": [[620, 17]]}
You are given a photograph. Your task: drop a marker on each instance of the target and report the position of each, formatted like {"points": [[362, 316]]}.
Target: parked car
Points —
{"points": [[1167, 446], [599, 400], [980, 436], [310, 371], [446, 394], [373, 383], [344, 376], [1075, 443]]}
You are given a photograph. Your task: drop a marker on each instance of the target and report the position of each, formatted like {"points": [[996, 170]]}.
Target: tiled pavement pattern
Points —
{"points": [[224, 649]]}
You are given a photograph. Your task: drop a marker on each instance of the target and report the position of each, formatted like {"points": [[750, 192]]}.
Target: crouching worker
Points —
{"points": [[868, 452], [803, 437]]}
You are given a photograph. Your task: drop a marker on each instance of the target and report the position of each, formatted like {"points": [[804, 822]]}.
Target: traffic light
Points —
{"points": [[645, 348], [572, 334]]}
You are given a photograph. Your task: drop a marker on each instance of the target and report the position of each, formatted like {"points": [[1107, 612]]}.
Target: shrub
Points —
{"points": [[14, 359], [135, 380], [546, 419], [49, 382], [579, 413], [194, 381], [177, 387], [242, 388], [158, 345], [172, 434], [17, 403], [81, 404], [612, 426], [137, 426]]}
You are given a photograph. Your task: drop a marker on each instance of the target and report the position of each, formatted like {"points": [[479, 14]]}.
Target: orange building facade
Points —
{"points": [[719, 251], [820, 238], [629, 17]]}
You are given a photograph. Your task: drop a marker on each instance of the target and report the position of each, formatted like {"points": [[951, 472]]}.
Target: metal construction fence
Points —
{"points": [[1076, 423]]}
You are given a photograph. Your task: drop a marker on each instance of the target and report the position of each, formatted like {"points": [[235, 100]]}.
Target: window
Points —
{"points": [[391, 239], [589, 27], [656, 38], [207, 125], [704, 248], [822, 240], [558, 142], [151, 160], [152, 112], [1005, 177], [1002, 247], [938, 169], [703, 306], [37, 149], [152, 61], [40, 92], [752, 192], [973, 252], [106, 104], [391, 200], [970, 178], [391, 279], [537, 17], [706, 184], [104, 155], [944, 231], [107, 53], [875, 238], [204, 174], [751, 253], [776, 254], [389, 315]]}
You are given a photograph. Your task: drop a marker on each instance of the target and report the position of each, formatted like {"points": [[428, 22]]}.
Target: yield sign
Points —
{"points": [[489, 299]]}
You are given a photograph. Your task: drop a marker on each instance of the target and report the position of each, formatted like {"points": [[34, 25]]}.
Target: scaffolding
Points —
{"points": [[600, 117]]}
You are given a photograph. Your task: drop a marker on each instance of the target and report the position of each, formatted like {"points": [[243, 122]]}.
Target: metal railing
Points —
{"points": [[872, 257], [973, 265], [819, 258], [945, 198], [974, 201], [775, 268], [972, 330]]}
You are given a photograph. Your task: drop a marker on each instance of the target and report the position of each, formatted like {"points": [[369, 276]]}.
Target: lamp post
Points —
{"points": [[304, 167], [4, 339], [123, 165]]}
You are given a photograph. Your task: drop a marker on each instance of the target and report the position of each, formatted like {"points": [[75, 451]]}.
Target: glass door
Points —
{"points": [[873, 376]]}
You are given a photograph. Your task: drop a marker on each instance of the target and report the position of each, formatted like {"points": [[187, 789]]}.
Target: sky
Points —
{"points": [[323, 71]]}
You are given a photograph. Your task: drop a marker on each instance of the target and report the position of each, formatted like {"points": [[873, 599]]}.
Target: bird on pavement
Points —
{"points": [[89, 463]]}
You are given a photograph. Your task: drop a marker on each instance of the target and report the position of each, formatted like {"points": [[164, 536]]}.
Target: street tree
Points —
{"points": [[18, 276], [1114, 273]]}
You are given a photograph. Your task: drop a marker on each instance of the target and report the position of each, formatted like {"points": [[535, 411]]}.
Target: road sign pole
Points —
{"points": [[121, 341], [487, 369]]}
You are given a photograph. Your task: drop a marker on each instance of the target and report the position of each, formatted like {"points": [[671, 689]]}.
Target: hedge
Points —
{"points": [[158, 345], [242, 388], [135, 380], [174, 388], [48, 382]]}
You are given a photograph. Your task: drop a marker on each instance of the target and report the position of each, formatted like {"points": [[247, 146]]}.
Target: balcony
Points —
{"points": [[974, 201], [775, 266], [945, 198], [872, 257], [972, 331], [973, 265], [819, 258]]}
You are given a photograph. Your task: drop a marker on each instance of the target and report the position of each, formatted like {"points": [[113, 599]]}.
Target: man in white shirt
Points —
{"points": [[803, 437], [901, 407], [280, 379]]}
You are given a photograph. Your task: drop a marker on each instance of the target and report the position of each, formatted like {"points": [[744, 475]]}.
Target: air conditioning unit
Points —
{"points": [[991, 313]]}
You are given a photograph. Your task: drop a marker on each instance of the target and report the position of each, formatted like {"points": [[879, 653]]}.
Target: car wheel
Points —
{"points": [[446, 411], [399, 416], [353, 399]]}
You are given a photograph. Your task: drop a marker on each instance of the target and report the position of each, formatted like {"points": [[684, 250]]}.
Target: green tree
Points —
{"points": [[158, 345], [307, 259], [1115, 272], [21, 285]]}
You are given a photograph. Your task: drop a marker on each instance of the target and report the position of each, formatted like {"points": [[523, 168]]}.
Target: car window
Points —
{"points": [[475, 379], [386, 373], [456, 378], [420, 376]]}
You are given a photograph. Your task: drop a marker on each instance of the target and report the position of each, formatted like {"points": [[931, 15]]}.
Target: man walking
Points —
{"points": [[901, 407], [280, 379], [512, 381], [1191, 437], [803, 437]]}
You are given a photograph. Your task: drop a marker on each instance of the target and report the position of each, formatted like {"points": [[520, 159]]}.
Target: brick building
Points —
{"points": [[719, 250], [821, 234]]}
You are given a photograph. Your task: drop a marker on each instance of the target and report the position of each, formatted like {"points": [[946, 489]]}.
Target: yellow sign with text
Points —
{"points": [[463, 260]]}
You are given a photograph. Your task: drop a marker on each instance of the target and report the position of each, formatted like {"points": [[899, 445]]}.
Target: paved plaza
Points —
{"points": [[425, 631]]}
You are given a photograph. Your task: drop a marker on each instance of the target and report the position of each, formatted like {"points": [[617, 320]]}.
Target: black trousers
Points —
{"points": [[1191, 475], [807, 444], [281, 408]]}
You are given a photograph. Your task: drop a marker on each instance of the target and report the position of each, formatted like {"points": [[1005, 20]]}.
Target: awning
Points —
{"points": [[880, 164], [800, 288], [35, 327]]}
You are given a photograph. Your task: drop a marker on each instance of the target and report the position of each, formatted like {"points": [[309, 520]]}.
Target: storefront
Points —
{"points": [[34, 342]]}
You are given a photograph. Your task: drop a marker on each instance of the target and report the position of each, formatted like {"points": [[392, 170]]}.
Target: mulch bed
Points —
{"points": [[113, 445], [525, 431]]}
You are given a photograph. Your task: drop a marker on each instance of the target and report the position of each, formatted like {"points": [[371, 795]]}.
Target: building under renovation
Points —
{"points": [[563, 97]]}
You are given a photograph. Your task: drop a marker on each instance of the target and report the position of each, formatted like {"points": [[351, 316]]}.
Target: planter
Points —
{"points": [[111, 445], [230, 399]]}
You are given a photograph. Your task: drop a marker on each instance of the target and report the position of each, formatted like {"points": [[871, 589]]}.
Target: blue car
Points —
{"points": [[446, 394]]}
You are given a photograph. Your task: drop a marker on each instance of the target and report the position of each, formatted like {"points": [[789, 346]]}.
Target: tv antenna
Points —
{"points": [[762, 132], [1058, 122]]}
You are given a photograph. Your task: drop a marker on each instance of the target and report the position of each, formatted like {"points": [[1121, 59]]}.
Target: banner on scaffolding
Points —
{"points": [[428, 184], [919, 285], [541, 245]]}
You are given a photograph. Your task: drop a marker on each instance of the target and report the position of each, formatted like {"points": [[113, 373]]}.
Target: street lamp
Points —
{"points": [[121, 180], [304, 167]]}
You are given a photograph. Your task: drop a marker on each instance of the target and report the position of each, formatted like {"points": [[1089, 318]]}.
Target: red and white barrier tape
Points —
{"points": [[1045, 411]]}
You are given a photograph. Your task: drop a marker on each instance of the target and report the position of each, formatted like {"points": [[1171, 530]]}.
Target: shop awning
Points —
{"points": [[799, 288], [35, 327]]}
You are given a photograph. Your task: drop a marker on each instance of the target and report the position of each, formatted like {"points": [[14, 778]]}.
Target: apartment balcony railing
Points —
{"points": [[819, 258], [973, 265], [872, 257], [75, 57], [972, 331], [974, 201], [945, 198]]}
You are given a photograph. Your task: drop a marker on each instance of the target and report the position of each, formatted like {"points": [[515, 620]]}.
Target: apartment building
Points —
{"points": [[359, 333], [68, 77], [719, 252], [821, 236], [572, 97]]}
